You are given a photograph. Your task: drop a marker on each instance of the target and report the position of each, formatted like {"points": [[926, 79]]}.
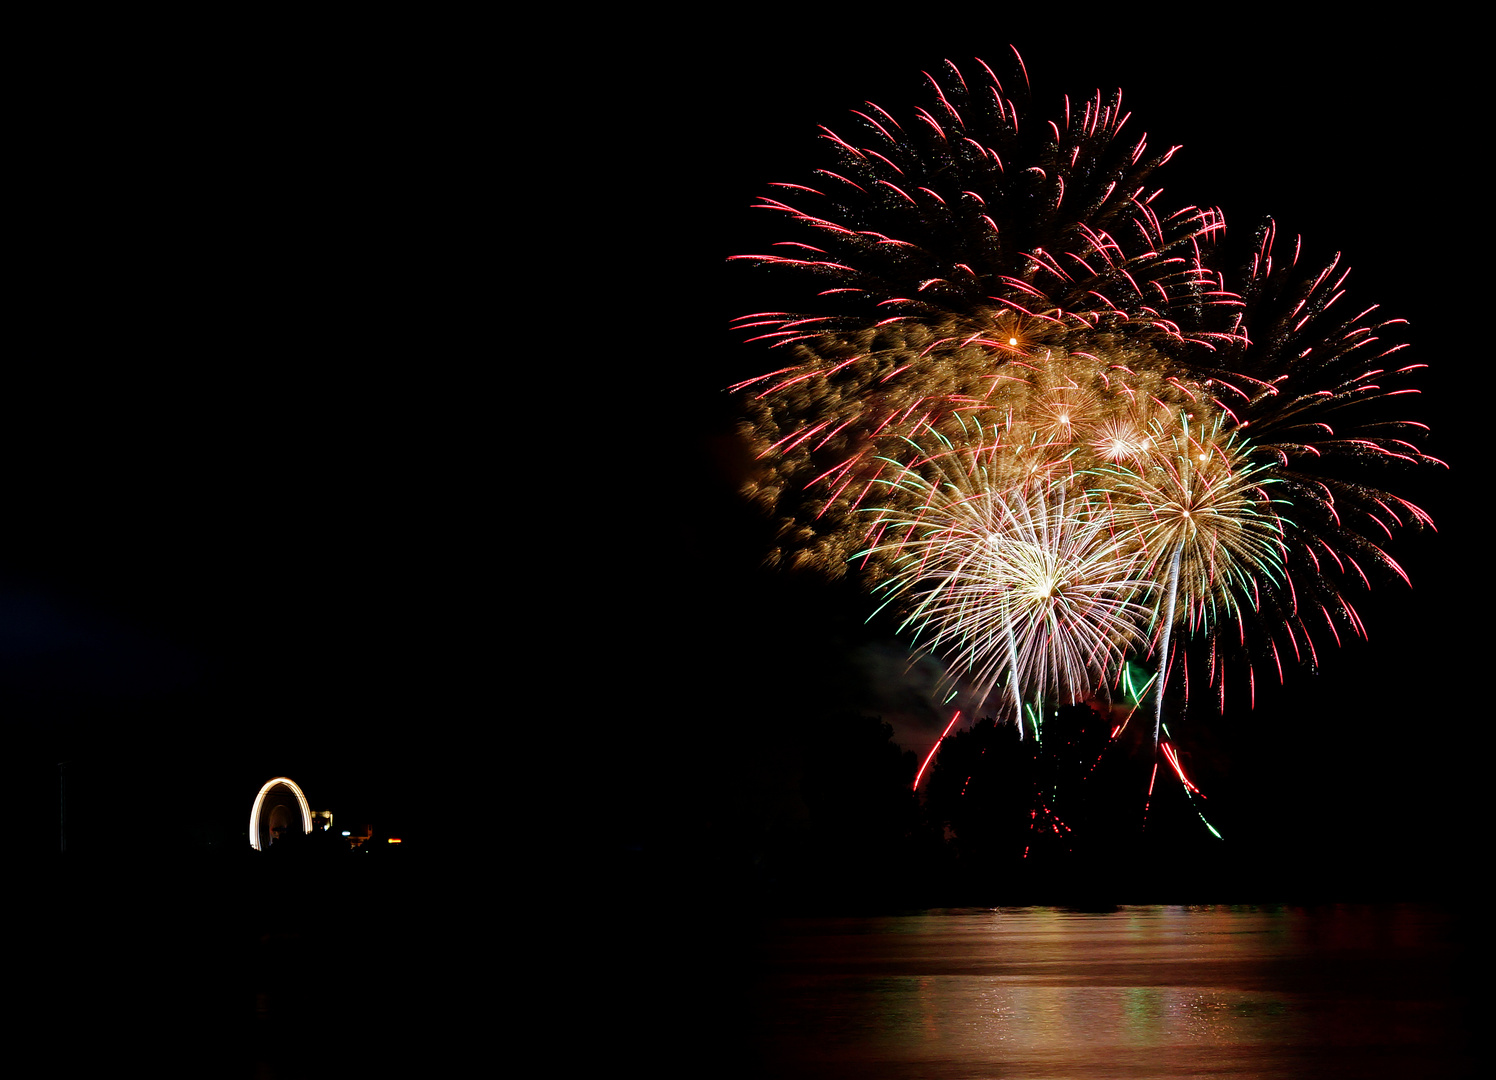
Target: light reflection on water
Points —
{"points": [[1139, 992]]}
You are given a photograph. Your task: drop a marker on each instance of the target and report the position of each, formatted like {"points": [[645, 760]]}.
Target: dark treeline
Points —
{"points": [[830, 821], [996, 819]]}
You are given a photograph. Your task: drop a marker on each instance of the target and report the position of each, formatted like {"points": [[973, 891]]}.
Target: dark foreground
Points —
{"points": [[242, 967]]}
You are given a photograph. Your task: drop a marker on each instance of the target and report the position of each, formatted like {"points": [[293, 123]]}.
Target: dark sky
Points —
{"points": [[239, 517], [1362, 142], [251, 455]]}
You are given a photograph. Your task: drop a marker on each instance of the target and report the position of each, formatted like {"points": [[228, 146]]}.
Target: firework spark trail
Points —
{"points": [[1190, 790], [906, 225], [931, 755], [1320, 391]]}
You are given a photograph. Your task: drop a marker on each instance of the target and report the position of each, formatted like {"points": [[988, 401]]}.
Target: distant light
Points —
{"points": [[393, 840], [347, 833]]}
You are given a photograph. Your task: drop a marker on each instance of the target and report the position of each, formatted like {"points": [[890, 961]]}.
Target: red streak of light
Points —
{"points": [[1174, 761], [1149, 800], [930, 756]]}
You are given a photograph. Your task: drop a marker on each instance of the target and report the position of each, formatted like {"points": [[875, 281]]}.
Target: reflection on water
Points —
{"points": [[1138, 992]]}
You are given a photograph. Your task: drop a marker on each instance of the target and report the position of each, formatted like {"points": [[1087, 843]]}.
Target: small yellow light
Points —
{"points": [[393, 840]]}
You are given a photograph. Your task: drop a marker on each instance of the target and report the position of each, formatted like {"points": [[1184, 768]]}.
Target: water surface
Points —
{"points": [[1137, 992]]}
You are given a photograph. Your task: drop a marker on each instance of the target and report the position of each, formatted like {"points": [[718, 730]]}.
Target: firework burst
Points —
{"points": [[821, 464], [1206, 529], [965, 210], [1321, 390], [945, 253], [1019, 396], [1200, 510], [1027, 584]]}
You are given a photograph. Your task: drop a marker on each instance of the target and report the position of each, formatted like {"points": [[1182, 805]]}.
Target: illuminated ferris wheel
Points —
{"points": [[279, 807]]}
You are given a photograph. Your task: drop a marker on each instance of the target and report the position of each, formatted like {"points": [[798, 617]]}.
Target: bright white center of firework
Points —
{"points": [[1029, 569], [1045, 588], [1012, 341]]}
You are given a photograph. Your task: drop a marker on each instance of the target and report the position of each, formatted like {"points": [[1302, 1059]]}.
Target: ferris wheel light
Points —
{"points": [[254, 814]]}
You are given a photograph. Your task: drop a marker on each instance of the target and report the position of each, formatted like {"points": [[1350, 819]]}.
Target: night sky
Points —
{"points": [[241, 461], [246, 465], [1361, 144], [251, 460]]}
